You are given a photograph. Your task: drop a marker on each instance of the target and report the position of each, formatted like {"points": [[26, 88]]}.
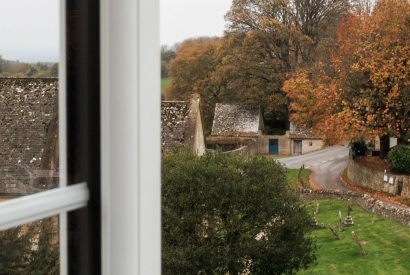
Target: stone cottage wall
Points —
{"points": [[367, 202], [28, 134], [368, 178], [283, 143], [312, 145], [253, 148]]}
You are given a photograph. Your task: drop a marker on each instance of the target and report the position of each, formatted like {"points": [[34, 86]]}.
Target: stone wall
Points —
{"points": [[367, 202], [311, 145], [250, 149], [376, 180], [28, 134], [283, 143]]}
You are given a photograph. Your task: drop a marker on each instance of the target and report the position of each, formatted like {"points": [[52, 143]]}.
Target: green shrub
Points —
{"points": [[399, 159], [215, 208], [359, 148]]}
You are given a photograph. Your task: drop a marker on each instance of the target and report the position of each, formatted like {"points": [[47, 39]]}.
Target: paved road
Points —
{"points": [[327, 165]]}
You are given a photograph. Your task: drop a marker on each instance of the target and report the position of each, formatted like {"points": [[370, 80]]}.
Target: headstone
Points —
{"points": [[348, 220], [314, 222]]}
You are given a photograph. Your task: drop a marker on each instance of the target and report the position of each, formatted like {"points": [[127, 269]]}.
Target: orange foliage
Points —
{"points": [[366, 88]]}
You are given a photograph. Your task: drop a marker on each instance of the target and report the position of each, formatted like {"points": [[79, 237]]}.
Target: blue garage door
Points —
{"points": [[273, 147]]}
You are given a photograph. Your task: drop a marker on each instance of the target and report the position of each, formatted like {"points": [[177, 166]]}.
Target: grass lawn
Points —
{"points": [[165, 83], [387, 243], [292, 175]]}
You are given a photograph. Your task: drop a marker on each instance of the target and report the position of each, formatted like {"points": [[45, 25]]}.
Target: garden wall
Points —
{"points": [[376, 180], [387, 210]]}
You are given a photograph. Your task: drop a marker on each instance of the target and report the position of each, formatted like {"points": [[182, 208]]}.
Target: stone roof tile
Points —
{"points": [[236, 120]]}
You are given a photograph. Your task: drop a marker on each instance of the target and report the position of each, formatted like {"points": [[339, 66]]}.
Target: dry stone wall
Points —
{"points": [[369, 203], [379, 181], [28, 134]]}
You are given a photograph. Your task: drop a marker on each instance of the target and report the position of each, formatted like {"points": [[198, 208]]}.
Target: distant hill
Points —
{"points": [[13, 68]]}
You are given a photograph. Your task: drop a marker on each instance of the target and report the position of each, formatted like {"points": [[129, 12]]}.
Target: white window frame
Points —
{"points": [[130, 140], [130, 131], [57, 201]]}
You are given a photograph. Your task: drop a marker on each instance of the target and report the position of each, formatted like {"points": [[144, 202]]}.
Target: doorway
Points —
{"points": [[297, 147], [273, 147]]}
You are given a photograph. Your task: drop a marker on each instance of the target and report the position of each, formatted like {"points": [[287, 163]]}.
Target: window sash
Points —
{"points": [[65, 198], [130, 143], [42, 205]]}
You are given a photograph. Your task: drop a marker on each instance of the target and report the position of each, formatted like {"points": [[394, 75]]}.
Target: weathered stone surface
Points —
{"points": [[369, 178], [369, 203], [28, 134], [301, 133], [173, 121], [236, 120], [181, 125]]}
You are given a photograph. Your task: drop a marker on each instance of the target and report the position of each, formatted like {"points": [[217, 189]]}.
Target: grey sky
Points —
{"points": [[29, 30], [182, 19]]}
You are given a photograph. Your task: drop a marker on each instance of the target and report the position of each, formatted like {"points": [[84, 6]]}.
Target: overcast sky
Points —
{"points": [[29, 30], [182, 19]]}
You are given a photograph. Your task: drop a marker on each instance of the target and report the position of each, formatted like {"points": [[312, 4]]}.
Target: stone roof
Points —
{"points": [[174, 117], [28, 134], [301, 133], [236, 120]]}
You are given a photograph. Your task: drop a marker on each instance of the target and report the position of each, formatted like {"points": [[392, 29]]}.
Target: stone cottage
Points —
{"points": [[239, 128], [235, 126], [295, 141], [303, 141], [29, 135], [181, 126]]}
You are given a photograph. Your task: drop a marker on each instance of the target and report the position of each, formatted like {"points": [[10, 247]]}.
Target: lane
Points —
{"points": [[327, 165]]}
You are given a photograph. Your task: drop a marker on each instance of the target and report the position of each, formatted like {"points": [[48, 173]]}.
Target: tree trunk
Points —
{"points": [[384, 146], [402, 140]]}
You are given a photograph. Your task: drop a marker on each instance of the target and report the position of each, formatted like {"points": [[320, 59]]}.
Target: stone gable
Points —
{"points": [[174, 117], [181, 126]]}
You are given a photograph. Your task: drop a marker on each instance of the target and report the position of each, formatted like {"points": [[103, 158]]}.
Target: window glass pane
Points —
{"points": [[29, 50], [30, 248], [29, 123]]}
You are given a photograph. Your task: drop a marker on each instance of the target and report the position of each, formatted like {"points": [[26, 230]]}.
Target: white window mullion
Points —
{"points": [[62, 135], [42, 205], [130, 137]]}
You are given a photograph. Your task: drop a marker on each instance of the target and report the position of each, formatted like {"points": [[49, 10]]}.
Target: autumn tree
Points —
{"points": [[369, 76], [252, 73], [265, 42], [382, 100], [308, 23], [191, 72], [316, 104]]}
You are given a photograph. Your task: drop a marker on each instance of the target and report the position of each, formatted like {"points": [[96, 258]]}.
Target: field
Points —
{"points": [[387, 244], [164, 84]]}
